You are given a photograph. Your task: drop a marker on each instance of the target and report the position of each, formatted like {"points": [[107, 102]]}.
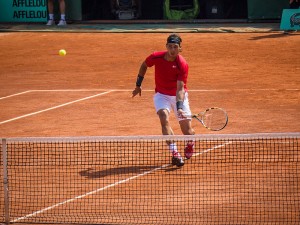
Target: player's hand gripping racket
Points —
{"points": [[214, 119]]}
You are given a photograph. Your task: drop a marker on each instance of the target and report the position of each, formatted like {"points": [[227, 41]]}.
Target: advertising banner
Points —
{"points": [[23, 10], [290, 19]]}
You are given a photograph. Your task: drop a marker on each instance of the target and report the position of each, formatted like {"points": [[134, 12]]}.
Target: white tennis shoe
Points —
{"points": [[50, 23], [62, 23]]}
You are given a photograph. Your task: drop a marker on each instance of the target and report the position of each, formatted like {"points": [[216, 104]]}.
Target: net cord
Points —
{"points": [[154, 137]]}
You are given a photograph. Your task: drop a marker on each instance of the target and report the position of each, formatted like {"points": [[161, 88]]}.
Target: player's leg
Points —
{"points": [[62, 9], [50, 6], [162, 106], [186, 127], [62, 6], [163, 115], [51, 13]]}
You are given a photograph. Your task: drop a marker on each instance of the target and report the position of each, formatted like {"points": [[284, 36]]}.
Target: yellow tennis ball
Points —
{"points": [[62, 52]]}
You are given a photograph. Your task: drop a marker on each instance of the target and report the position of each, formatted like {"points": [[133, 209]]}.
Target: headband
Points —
{"points": [[174, 40]]}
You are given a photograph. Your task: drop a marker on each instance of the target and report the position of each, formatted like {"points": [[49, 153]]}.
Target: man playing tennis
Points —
{"points": [[171, 72]]}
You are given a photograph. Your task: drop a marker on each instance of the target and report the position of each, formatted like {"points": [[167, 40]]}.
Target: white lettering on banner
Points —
{"points": [[21, 12], [29, 3], [29, 14]]}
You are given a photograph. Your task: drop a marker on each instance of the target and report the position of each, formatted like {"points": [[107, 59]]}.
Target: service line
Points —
{"points": [[55, 107]]}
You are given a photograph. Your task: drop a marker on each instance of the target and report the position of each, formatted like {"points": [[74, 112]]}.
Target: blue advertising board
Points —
{"points": [[23, 10], [290, 19]]}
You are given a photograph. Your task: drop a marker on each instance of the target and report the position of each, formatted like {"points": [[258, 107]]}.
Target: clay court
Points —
{"points": [[254, 76]]}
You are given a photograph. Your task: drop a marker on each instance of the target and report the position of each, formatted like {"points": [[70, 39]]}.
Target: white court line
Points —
{"points": [[55, 107], [21, 93], [57, 90], [108, 186], [66, 90], [87, 194], [148, 90], [114, 90]]}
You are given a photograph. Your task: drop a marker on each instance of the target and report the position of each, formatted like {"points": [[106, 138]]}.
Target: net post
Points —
{"points": [[5, 181]]}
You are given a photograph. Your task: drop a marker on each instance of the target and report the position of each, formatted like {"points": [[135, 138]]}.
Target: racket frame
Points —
{"points": [[201, 114]]}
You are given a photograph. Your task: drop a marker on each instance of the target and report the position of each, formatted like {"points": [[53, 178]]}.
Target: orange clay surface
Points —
{"points": [[254, 76]]}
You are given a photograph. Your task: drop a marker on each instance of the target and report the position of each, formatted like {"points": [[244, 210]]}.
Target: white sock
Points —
{"points": [[63, 17], [173, 148], [51, 16]]}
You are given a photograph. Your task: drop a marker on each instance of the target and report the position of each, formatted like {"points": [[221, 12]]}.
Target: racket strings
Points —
{"points": [[215, 119]]}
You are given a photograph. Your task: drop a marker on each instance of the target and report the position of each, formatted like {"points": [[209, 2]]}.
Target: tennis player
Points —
{"points": [[171, 73]]}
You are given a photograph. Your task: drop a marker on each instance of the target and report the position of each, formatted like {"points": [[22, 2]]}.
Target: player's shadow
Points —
{"points": [[171, 168], [96, 174], [269, 36]]}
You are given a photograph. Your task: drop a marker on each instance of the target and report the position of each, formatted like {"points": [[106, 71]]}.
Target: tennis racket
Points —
{"points": [[214, 118]]}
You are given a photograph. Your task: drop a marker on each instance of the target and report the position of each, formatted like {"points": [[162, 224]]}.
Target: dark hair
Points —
{"points": [[174, 38]]}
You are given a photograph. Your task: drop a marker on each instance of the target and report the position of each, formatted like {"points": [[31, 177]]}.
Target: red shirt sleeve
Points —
{"points": [[150, 60], [183, 69]]}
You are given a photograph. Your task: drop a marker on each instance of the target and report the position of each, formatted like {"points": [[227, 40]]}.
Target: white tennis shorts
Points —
{"points": [[168, 102]]}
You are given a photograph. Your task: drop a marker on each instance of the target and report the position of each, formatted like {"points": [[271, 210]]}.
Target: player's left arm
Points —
{"points": [[180, 98], [180, 92]]}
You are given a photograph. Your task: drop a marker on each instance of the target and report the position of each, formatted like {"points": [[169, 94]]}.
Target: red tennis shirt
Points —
{"points": [[168, 73]]}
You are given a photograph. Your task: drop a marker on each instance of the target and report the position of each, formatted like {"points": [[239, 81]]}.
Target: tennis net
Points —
{"points": [[231, 179]]}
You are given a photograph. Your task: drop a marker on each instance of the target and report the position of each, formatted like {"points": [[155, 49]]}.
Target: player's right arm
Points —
{"points": [[139, 80]]}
